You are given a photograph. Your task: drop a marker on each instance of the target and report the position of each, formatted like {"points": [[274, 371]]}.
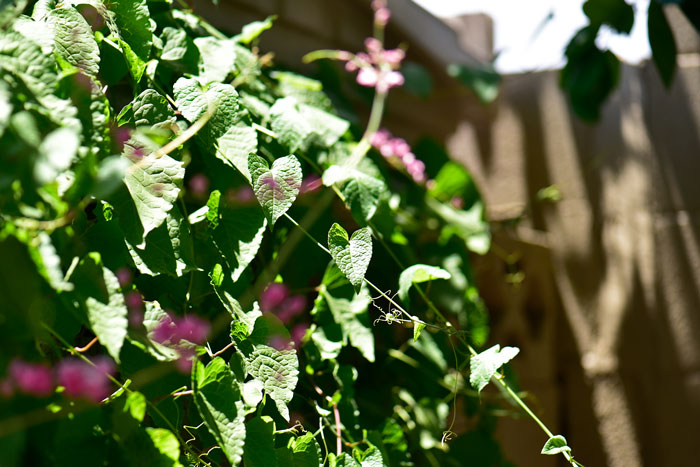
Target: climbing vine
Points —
{"points": [[199, 253]]}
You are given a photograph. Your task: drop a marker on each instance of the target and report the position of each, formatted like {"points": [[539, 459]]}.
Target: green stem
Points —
{"points": [[375, 118]]}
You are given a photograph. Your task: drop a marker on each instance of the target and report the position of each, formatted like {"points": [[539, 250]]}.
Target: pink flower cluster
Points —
{"points": [[296, 335], [398, 151], [381, 13], [176, 332], [79, 378], [377, 67], [276, 299]]}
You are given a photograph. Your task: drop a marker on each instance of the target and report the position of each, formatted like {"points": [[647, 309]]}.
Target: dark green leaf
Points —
{"points": [[259, 443], [662, 42], [617, 14], [218, 400]]}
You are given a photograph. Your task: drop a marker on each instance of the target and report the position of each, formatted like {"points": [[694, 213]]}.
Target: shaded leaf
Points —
{"points": [[103, 301], [617, 14], [259, 443], [218, 400], [662, 42], [239, 236]]}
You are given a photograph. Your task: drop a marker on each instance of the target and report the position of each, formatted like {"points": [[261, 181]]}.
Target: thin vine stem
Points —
{"points": [[496, 378]]}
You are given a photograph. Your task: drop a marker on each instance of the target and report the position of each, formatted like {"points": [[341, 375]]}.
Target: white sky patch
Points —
{"points": [[532, 35]]}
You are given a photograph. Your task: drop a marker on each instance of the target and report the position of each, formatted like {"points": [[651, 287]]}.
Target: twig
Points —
{"points": [[87, 346]]}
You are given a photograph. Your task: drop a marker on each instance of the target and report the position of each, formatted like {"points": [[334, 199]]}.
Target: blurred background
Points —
{"points": [[589, 176]]}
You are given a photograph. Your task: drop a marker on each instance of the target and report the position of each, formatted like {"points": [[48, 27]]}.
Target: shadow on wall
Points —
{"points": [[623, 250]]}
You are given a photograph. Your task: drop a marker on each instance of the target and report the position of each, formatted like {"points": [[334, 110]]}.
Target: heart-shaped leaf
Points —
{"points": [[352, 256], [276, 188], [555, 445], [485, 365]]}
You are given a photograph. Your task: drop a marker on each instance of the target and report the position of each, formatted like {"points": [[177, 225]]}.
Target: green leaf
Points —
{"points": [[236, 311], [362, 192], [352, 256], [154, 183], [136, 34], [276, 188], [217, 58], [343, 460], [135, 405], [662, 42], [418, 79], [212, 214], [218, 400], [168, 249], [277, 371], [25, 60], [103, 301], [239, 236], [590, 74], [167, 444], [469, 225], [259, 443], [297, 125], [555, 445], [57, 152], [306, 451], [484, 81], [74, 40], [175, 44], [251, 31], [617, 14], [372, 458], [48, 262], [485, 365], [419, 273], [417, 329], [152, 108], [353, 319], [228, 134]]}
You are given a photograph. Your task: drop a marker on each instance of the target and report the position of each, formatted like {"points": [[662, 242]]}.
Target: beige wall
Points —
{"points": [[608, 314]]}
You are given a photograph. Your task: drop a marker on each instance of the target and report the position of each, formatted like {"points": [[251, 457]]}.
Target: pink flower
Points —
{"points": [[31, 378], [310, 184], [291, 307], [399, 147], [199, 185], [81, 379], [457, 202], [367, 76], [184, 362], [394, 56], [133, 300], [6, 388], [388, 80], [123, 276], [273, 296], [381, 16], [373, 45], [194, 329], [298, 332], [380, 137], [408, 158], [243, 195]]}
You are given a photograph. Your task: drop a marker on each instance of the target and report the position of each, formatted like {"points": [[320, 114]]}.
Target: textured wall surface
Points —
{"points": [[619, 336]]}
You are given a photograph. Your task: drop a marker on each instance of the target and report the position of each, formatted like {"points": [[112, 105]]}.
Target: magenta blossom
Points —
{"points": [[30, 378], [133, 300], [82, 380], [123, 276], [280, 343], [291, 307], [298, 332], [174, 330], [273, 296], [199, 185], [310, 184], [399, 153]]}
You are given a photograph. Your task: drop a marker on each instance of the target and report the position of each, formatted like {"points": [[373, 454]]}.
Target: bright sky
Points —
{"points": [[529, 41]]}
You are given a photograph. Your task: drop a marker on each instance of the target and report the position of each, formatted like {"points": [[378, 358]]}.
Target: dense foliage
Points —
{"points": [[190, 242]]}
